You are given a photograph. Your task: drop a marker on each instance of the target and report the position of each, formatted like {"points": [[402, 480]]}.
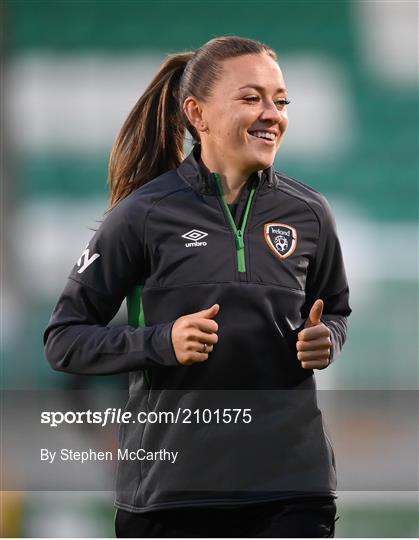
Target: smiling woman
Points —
{"points": [[241, 124], [234, 281]]}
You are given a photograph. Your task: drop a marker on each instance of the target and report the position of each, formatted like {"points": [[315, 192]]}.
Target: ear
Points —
{"points": [[195, 114]]}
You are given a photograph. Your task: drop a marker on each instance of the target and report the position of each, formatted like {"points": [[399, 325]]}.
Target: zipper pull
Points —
{"points": [[241, 263], [239, 240]]}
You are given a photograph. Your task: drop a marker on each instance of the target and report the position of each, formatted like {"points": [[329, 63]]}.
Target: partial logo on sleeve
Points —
{"points": [[85, 260], [281, 238]]}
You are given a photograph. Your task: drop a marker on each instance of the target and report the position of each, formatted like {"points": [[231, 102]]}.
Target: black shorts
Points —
{"points": [[305, 517]]}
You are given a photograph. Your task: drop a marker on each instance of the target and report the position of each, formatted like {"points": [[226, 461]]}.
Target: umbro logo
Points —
{"points": [[195, 236]]}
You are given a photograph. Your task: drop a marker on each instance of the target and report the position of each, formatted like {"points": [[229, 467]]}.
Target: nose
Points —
{"points": [[271, 112]]}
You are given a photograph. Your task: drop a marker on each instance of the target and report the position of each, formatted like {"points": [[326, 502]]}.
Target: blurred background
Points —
{"points": [[72, 71]]}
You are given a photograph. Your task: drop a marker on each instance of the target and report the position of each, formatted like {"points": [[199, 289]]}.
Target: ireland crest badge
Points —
{"points": [[281, 238]]}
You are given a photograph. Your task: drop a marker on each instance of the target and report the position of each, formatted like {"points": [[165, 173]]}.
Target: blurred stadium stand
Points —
{"points": [[71, 72]]}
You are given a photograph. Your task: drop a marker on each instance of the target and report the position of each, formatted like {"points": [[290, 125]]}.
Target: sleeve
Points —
{"points": [[327, 280], [77, 338]]}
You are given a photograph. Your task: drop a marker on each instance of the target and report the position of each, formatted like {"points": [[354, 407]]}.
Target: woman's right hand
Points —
{"points": [[191, 332]]}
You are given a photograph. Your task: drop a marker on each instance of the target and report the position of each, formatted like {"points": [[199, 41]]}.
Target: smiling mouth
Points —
{"points": [[264, 139]]}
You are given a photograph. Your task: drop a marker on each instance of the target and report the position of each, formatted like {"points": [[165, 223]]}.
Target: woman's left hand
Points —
{"points": [[314, 341]]}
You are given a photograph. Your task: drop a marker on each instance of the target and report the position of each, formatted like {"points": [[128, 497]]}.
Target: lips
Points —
{"points": [[263, 139]]}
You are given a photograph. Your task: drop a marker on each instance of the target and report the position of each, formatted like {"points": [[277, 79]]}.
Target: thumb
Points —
{"points": [[209, 313], [315, 314]]}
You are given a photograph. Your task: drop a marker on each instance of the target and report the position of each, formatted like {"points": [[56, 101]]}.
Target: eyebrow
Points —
{"points": [[260, 88]]}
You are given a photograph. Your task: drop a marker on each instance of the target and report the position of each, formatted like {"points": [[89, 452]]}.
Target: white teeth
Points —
{"points": [[264, 135]]}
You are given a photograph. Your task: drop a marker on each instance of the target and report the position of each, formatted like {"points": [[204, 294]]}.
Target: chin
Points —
{"points": [[262, 163]]}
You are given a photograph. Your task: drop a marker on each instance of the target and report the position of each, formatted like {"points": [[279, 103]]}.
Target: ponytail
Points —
{"points": [[151, 139]]}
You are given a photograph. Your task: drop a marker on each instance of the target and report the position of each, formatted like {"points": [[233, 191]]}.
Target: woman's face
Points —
{"points": [[248, 98]]}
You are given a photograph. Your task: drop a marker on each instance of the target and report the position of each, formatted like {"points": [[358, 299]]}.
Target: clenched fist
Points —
{"points": [[194, 335], [314, 341]]}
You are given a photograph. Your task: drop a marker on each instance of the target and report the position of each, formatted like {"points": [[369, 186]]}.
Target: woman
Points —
{"points": [[236, 291]]}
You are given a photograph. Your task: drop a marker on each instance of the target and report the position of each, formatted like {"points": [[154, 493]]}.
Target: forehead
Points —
{"points": [[251, 69]]}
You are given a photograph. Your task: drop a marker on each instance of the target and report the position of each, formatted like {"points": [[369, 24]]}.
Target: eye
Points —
{"points": [[280, 103]]}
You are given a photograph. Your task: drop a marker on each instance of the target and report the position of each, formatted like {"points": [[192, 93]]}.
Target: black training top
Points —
{"points": [[173, 248]]}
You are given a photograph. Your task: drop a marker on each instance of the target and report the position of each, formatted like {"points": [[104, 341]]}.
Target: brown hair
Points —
{"points": [[151, 139]]}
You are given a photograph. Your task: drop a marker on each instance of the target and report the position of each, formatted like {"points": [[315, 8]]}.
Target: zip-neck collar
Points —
{"points": [[199, 177]]}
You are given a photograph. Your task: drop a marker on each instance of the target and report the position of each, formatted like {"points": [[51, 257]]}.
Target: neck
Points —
{"points": [[233, 181]]}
